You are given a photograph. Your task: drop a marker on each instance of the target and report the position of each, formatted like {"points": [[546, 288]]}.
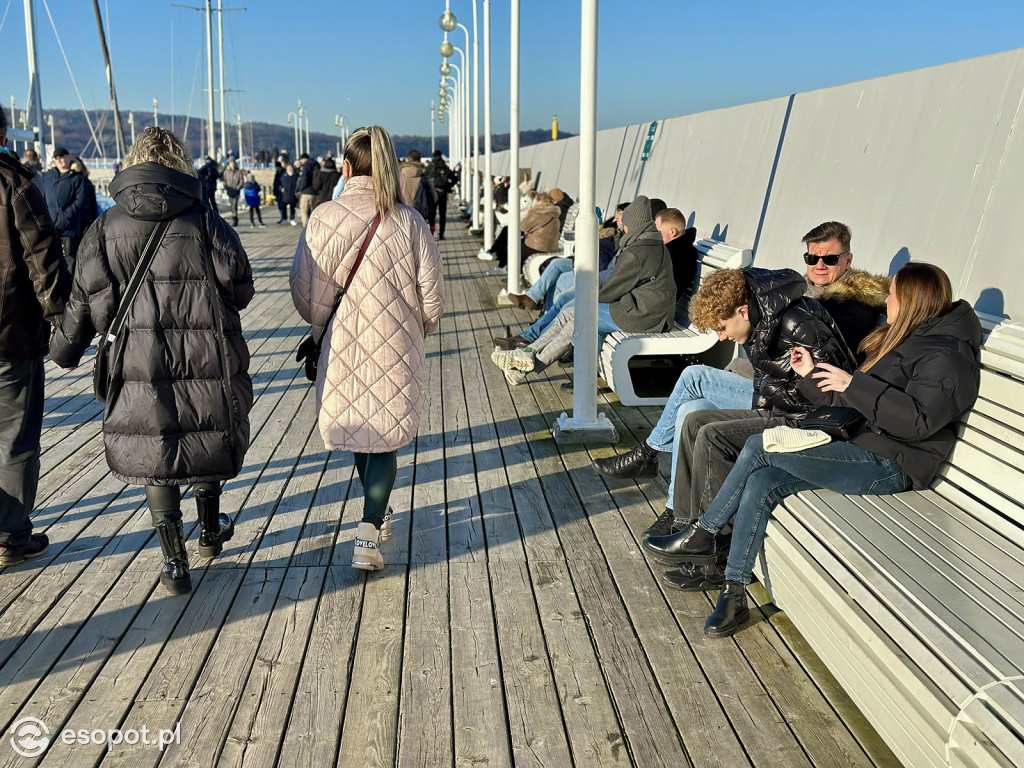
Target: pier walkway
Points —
{"points": [[516, 623]]}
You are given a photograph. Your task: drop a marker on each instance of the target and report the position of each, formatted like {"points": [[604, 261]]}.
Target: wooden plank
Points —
{"points": [[425, 712], [369, 730], [257, 727], [318, 703]]}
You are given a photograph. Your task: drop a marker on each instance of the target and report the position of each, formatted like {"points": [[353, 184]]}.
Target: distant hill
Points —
{"points": [[72, 132]]}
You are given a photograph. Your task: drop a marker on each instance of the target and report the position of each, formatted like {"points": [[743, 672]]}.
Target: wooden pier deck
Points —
{"points": [[516, 623]]}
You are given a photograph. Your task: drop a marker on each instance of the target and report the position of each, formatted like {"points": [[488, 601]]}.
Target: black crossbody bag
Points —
{"points": [[101, 372], [838, 422], [308, 352]]}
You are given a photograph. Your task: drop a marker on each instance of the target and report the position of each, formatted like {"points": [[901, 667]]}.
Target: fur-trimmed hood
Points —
{"points": [[854, 285]]}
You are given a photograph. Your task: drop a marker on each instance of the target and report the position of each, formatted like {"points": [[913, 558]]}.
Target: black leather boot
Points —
{"points": [[695, 578], [214, 528], [663, 525], [174, 574], [730, 611], [691, 545], [642, 461]]}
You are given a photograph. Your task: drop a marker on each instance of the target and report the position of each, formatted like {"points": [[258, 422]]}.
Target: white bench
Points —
{"points": [[536, 262], [625, 357], [915, 601]]}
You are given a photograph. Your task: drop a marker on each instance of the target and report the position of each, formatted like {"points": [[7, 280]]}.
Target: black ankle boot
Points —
{"points": [[695, 578], [214, 528], [642, 461], [174, 574], [663, 525], [691, 545], [730, 611]]}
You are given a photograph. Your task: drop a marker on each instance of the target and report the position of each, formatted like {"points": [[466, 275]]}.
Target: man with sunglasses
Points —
{"points": [[854, 299]]}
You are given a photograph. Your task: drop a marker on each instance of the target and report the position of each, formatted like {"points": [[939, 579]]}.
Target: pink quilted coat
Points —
{"points": [[370, 384]]}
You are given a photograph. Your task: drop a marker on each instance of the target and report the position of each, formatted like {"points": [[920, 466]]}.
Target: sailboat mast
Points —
{"points": [[220, 47], [211, 141], [118, 125], [35, 98]]}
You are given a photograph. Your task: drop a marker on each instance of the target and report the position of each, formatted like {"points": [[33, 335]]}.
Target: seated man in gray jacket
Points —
{"points": [[639, 296]]}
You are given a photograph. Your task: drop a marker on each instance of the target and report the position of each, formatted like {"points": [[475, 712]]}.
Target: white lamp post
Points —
{"points": [[300, 149], [514, 254], [473, 141], [488, 178], [586, 424], [293, 120]]}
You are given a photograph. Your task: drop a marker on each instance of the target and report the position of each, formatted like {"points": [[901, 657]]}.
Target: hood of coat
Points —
{"points": [[773, 291], [854, 285], [410, 169], [960, 322], [154, 192]]}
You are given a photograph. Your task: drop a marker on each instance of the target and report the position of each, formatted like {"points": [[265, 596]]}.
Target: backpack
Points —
{"points": [[421, 202]]}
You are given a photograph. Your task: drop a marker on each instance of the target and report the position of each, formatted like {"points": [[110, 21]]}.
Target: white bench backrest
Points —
{"points": [[717, 255], [985, 472]]}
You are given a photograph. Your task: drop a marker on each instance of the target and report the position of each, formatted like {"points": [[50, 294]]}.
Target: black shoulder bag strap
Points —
{"points": [[101, 373], [135, 283], [352, 274]]}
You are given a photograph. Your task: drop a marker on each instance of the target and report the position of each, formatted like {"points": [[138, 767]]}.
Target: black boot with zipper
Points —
{"points": [[730, 612], [214, 528], [642, 461]]}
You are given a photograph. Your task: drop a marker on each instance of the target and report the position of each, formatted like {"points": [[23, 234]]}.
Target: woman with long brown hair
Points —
{"points": [[920, 376], [370, 374]]}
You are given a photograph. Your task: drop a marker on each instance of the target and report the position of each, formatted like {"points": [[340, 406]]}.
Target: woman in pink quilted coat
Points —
{"points": [[371, 369]]}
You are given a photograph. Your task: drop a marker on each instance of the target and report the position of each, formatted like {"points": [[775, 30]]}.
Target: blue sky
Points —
{"points": [[377, 61]]}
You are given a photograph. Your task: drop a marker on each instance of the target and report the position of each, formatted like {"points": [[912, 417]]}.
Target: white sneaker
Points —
{"points": [[497, 272], [513, 359], [366, 554], [485, 255], [514, 377], [295, 223]]}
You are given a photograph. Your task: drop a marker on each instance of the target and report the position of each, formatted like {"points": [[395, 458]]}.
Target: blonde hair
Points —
{"points": [[369, 152], [158, 145], [720, 295], [923, 292], [543, 197]]}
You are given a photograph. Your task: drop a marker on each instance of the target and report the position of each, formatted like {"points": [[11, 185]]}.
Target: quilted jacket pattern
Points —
{"points": [[370, 381]]}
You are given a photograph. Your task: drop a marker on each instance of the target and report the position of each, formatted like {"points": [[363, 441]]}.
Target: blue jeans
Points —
{"points": [[760, 480], [544, 287], [699, 388], [564, 296]]}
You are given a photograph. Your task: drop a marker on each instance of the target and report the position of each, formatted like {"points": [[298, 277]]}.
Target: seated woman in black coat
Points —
{"points": [[920, 377], [179, 393]]}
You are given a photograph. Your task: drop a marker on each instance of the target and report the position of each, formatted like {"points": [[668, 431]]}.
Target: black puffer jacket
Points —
{"points": [[34, 281], [180, 393], [684, 261], [914, 395], [783, 318]]}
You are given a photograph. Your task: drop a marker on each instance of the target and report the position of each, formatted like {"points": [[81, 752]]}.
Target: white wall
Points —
{"points": [[926, 165]]}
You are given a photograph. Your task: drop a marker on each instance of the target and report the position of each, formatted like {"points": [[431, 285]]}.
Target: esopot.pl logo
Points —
{"points": [[30, 737]]}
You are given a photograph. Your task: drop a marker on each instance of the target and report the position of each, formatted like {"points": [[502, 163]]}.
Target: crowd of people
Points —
{"points": [[900, 354], [898, 351], [161, 277]]}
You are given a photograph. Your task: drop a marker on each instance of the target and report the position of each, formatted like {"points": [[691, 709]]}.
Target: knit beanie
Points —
{"points": [[638, 219]]}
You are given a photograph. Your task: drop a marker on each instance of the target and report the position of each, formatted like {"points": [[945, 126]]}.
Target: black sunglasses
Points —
{"points": [[830, 259]]}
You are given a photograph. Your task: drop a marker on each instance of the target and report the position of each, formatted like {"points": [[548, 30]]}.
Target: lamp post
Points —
{"points": [[293, 120], [300, 150], [53, 138], [155, 105], [472, 141], [488, 177], [432, 144], [464, 120], [586, 424], [131, 123], [307, 131], [238, 124], [514, 254]]}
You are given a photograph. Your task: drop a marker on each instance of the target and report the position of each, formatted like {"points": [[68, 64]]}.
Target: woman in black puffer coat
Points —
{"points": [[177, 408]]}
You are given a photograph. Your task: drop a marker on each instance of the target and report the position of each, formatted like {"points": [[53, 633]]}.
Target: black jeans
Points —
{"points": [[709, 444], [165, 501], [21, 423], [255, 210], [442, 212], [233, 200], [281, 208]]}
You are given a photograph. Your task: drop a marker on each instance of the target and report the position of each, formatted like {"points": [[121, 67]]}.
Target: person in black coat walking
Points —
{"points": [[34, 289], [278, 173], [921, 376], [324, 182], [67, 200], [443, 179], [209, 174], [179, 394], [289, 183]]}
